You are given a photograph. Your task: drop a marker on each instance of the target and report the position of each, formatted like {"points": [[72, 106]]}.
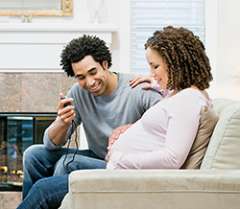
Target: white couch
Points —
{"points": [[216, 185]]}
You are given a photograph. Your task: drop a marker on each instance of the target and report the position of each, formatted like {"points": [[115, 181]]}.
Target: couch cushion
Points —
{"points": [[208, 120], [224, 148]]}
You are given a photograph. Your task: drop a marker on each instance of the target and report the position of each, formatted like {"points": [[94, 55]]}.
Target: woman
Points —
{"points": [[162, 138]]}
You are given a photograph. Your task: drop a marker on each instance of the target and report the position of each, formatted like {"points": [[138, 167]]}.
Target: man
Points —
{"points": [[101, 101]]}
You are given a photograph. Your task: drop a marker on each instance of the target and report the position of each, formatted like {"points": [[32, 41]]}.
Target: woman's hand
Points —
{"points": [[114, 137], [150, 82], [116, 133]]}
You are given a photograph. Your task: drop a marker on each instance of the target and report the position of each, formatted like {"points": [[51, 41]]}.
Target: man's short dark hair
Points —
{"points": [[86, 45]]}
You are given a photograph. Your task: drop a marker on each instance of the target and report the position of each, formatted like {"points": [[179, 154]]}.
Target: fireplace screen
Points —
{"points": [[17, 132]]}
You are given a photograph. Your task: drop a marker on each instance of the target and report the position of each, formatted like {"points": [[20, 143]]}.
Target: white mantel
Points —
{"points": [[37, 47]]}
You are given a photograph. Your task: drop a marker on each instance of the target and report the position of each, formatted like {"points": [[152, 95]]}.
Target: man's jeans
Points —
{"points": [[39, 163]]}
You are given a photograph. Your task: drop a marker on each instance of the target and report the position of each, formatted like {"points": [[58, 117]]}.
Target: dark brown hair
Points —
{"points": [[184, 55], [80, 47]]}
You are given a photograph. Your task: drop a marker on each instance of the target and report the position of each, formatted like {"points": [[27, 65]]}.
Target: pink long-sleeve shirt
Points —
{"points": [[163, 137]]}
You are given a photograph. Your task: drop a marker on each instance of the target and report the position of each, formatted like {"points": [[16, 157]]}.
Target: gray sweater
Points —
{"points": [[101, 114]]}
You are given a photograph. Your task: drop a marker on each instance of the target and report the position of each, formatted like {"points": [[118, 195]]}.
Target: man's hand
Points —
{"points": [[149, 81], [116, 133], [58, 129], [65, 110]]}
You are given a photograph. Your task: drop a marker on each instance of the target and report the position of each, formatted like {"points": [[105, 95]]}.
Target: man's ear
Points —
{"points": [[105, 65]]}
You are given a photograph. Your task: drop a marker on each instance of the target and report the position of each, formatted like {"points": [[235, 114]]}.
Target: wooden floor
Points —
{"points": [[9, 200]]}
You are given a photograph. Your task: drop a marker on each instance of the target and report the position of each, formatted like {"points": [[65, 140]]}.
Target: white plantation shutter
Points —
{"points": [[150, 15]]}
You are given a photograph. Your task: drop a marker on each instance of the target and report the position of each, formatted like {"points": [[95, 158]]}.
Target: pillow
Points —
{"points": [[208, 120], [223, 151]]}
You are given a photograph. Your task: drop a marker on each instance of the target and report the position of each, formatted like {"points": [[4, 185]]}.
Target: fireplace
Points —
{"points": [[17, 132]]}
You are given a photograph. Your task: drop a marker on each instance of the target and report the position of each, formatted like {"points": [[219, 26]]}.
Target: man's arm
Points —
{"points": [[57, 131], [149, 82]]}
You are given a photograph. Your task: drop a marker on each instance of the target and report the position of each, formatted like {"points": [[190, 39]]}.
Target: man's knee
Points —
{"points": [[60, 167], [41, 191], [78, 162], [68, 163], [50, 191], [41, 186], [32, 153]]}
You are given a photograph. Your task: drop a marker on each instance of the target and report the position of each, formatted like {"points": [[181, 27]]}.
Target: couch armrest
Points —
{"points": [[154, 180], [141, 189]]}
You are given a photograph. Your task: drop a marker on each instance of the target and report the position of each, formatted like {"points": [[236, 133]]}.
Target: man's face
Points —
{"points": [[92, 76]]}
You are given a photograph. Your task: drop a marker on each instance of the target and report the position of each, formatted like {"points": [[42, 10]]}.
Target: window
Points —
{"points": [[151, 15]]}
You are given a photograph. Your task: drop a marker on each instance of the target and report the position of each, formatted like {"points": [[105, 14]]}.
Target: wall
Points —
{"points": [[81, 18], [31, 92], [223, 43], [34, 89], [228, 75]]}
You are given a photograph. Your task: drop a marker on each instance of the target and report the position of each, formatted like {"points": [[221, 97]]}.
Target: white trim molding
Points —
{"points": [[212, 21], [212, 41], [36, 47]]}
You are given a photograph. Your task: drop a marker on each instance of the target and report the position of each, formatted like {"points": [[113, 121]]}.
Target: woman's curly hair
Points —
{"points": [[184, 55], [78, 48]]}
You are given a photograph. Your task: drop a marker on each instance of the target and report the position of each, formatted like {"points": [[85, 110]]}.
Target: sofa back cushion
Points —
{"points": [[208, 120], [224, 147]]}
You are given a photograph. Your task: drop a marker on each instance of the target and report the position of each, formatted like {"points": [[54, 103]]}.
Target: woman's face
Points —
{"points": [[158, 67]]}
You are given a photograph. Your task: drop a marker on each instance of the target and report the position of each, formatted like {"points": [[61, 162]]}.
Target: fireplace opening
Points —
{"points": [[17, 132]]}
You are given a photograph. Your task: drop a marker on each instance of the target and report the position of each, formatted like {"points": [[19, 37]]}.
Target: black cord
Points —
{"points": [[74, 126]]}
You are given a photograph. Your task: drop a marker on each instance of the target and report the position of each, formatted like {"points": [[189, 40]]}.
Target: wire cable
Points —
{"points": [[73, 127]]}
